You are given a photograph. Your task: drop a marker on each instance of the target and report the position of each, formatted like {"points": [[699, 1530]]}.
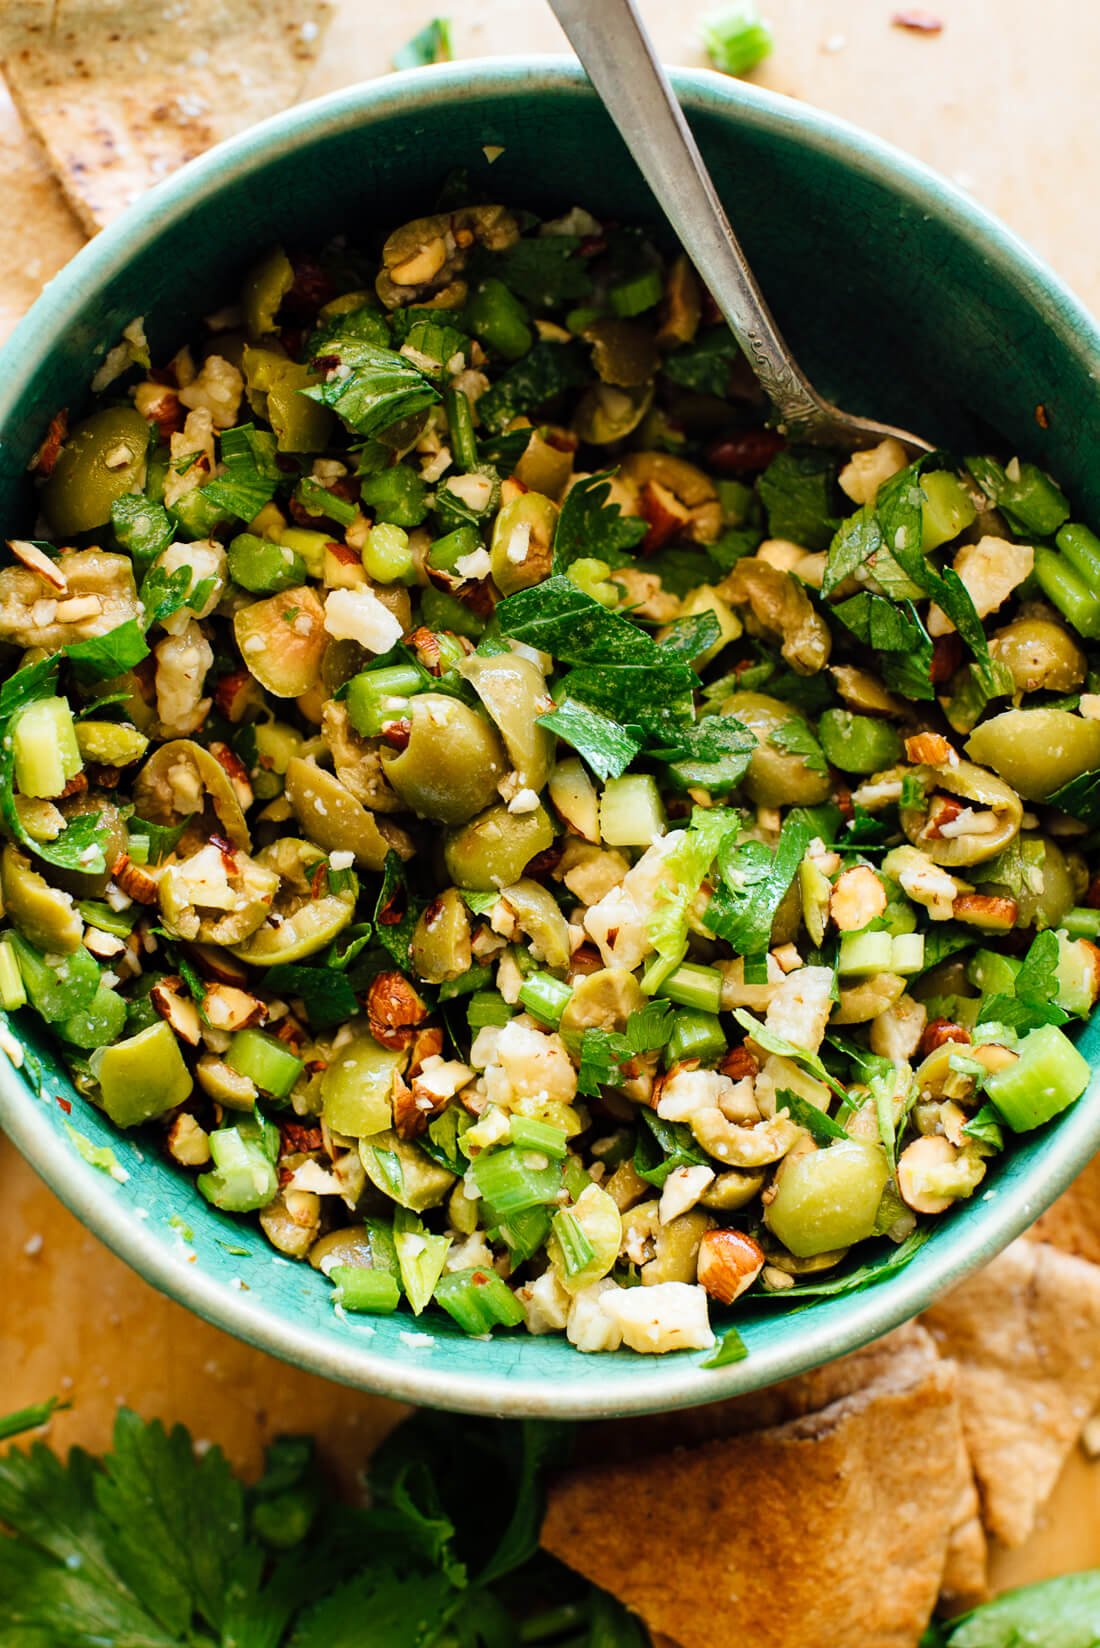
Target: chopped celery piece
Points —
{"points": [[44, 748], [360, 1288], [524, 1234], [265, 1061], [56, 989], [695, 1036], [1047, 1077], [377, 696], [143, 1076], [736, 38], [907, 953], [576, 1248], [264, 568], [1081, 549], [243, 1178], [120, 923], [858, 743], [530, 1134], [862, 954], [637, 293], [545, 997], [1062, 584], [498, 320], [512, 1179], [487, 1007], [386, 555], [13, 993], [97, 1024], [632, 813], [478, 1300], [421, 1257], [947, 508], [1076, 991], [992, 973], [1081, 922], [694, 986]]}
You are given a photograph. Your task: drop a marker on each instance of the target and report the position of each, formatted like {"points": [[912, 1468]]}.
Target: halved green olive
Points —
{"points": [[403, 1173], [606, 413], [513, 690], [521, 548], [103, 457], [1037, 751], [828, 1199], [624, 352], [306, 913], [997, 811], [440, 948], [452, 762], [357, 1086], [216, 896], [1048, 890], [776, 777], [538, 916], [1040, 655], [335, 820], [604, 1000], [282, 641], [181, 780], [43, 914], [494, 849]]}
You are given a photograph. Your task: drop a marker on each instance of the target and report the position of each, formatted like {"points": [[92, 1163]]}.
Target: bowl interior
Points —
{"points": [[899, 298]]}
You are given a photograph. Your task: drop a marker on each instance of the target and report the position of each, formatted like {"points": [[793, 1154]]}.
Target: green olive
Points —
{"points": [[513, 690], [349, 1245], [114, 839], [333, 818], [214, 896], [287, 1233], [110, 743], [43, 914], [600, 1220], [984, 794], [1040, 655], [103, 458], [678, 1242], [828, 1199], [604, 1000], [306, 914], [1048, 891], [624, 352], [521, 548], [403, 1173], [547, 464], [867, 998], [357, 1086], [494, 849], [776, 777], [265, 286], [143, 1076], [1038, 750], [440, 948], [450, 767], [181, 780], [540, 919], [358, 761], [732, 1190], [282, 641], [606, 413]]}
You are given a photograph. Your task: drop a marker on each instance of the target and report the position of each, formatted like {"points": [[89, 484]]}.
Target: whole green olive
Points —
{"points": [[440, 948], [1037, 750], [828, 1199], [331, 816], [493, 849], [1040, 655], [103, 458], [1047, 891], [452, 762], [521, 548], [776, 777], [513, 690]]}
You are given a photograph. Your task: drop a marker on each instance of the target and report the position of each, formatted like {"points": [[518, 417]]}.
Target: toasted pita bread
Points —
{"points": [[829, 1529], [965, 1580], [122, 92], [40, 232], [1025, 1334], [1073, 1223]]}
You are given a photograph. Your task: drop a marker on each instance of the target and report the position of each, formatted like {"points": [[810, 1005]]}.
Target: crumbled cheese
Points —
{"points": [[590, 1327], [667, 1316], [545, 1303], [682, 1189], [436, 465], [474, 491], [529, 1065], [990, 569], [800, 1008], [341, 860], [689, 1092], [312, 1176], [896, 1032], [358, 615], [475, 565], [524, 801]]}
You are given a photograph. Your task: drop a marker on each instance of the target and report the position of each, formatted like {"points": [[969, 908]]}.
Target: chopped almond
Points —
{"points": [[47, 455], [788, 958], [739, 1063], [393, 1010], [729, 1263], [227, 1008], [171, 1001], [915, 1162], [217, 964], [668, 517], [427, 1044], [134, 880], [37, 561], [939, 1031], [858, 897], [236, 772], [998, 915], [931, 749], [188, 1143]]}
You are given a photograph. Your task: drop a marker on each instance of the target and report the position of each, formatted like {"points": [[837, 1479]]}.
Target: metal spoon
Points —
{"points": [[618, 57]]}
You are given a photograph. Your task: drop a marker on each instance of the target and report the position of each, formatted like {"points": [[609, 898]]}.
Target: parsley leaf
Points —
{"points": [[771, 1043], [712, 754], [251, 472], [545, 371], [705, 364], [895, 633], [754, 882], [794, 737], [328, 997], [369, 387], [607, 747], [104, 656], [683, 868], [660, 1147], [543, 270], [798, 491], [590, 526], [143, 529], [1080, 797], [818, 1123], [396, 912], [604, 1052], [557, 617]]}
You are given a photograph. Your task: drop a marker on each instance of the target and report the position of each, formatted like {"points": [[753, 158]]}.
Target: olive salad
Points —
{"points": [[494, 812]]}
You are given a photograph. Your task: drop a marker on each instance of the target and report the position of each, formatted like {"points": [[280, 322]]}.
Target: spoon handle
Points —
{"points": [[618, 57]]}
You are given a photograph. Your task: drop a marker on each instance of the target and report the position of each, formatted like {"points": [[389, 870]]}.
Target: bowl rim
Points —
{"points": [[669, 1382]]}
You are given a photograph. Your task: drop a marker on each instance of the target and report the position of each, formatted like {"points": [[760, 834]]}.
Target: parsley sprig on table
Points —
{"points": [[155, 1547]]}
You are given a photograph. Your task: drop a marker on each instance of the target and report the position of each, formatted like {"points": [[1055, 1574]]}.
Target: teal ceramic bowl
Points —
{"points": [[901, 298]]}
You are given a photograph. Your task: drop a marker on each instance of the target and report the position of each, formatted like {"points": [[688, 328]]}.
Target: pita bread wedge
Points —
{"points": [[122, 92], [40, 232], [965, 1580], [1073, 1223], [831, 1529], [1025, 1335]]}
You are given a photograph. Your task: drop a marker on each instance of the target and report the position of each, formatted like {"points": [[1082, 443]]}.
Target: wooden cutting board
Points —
{"points": [[1002, 100]]}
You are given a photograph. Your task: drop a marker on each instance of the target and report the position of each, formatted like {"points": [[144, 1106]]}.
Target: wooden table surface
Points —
{"points": [[1003, 102]]}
